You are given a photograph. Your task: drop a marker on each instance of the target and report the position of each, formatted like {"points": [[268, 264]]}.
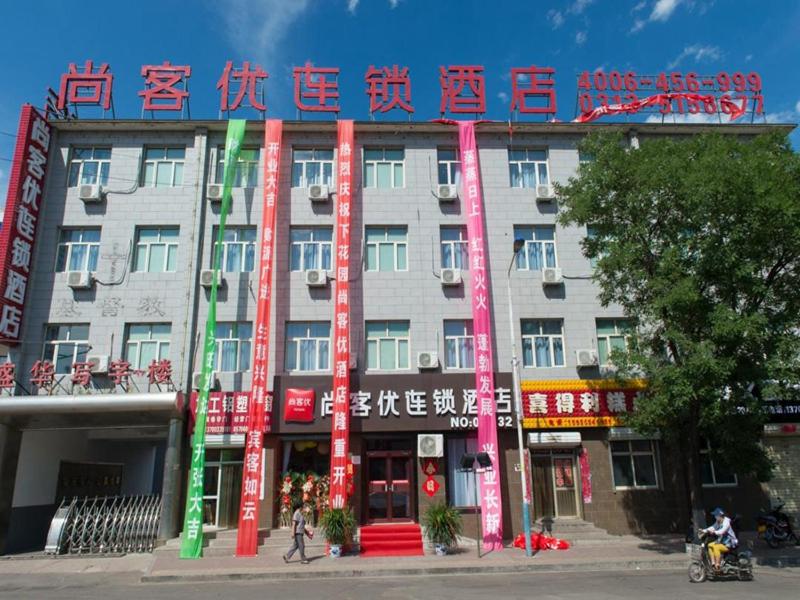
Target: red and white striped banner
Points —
{"points": [[340, 429], [260, 417]]}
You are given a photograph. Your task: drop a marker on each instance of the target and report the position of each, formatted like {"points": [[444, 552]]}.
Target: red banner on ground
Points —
{"points": [[340, 429], [261, 406], [728, 106]]}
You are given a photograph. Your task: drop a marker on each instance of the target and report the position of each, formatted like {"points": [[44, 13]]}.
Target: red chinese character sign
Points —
{"points": [[430, 466], [298, 406], [89, 87], [388, 88], [430, 486], [21, 219], [261, 408], [340, 427], [227, 413], [549, 406], [166, 87], [463, 90], [316, 89], [250, 85], [533, 90]]}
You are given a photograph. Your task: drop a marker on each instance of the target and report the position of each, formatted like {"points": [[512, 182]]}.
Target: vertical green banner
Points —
{"points": [[192, 537]]}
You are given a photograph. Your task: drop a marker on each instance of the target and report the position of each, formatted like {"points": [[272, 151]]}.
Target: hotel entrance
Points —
{"points": [[389, 486]]}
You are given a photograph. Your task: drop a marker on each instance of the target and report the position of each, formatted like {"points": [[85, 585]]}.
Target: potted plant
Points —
{"points": [[338, 525], [442, 527]]}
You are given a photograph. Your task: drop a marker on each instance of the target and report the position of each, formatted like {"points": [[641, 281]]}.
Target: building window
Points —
{"points": [[147, 342], [233, 347], [246, 174], [455, 248], [387, 248], [612, 334], [383, 167], [311, 167], [238, 249], [459, 345], [310, 248], [634, 464], [163, 167], [449, 166], [156, 249], [388, 345], [715, 473], [89, 166], [78, 250], [65, 345], [540, 247], [308, 346], [591, 232], [543, 343], [527, 168], [460, 484]]}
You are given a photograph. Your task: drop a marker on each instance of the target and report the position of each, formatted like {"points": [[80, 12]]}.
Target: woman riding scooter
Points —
{"points": [[726, 538]]}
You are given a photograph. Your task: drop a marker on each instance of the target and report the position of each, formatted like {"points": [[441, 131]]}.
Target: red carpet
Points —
{"points": [[391, 540]]}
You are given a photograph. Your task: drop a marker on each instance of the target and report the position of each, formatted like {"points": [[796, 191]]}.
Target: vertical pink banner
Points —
{"points": [[586, 476], [491, 502], [260, 411]]}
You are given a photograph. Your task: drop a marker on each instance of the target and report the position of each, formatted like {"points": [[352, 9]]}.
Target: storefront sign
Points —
{"points": [[298, 406], [340, 426], [783, 411], [228, 412], [261, 407], [21, 219]]}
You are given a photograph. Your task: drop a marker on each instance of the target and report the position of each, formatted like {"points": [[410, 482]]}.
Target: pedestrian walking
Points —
{"points": [[299, 531]]}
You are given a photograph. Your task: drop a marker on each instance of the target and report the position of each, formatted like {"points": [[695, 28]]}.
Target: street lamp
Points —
{"points": [[519, 244]]}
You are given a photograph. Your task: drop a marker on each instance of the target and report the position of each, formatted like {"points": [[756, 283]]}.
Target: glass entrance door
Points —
{"points": [[389, 486], [564, 485], [555, 492]]}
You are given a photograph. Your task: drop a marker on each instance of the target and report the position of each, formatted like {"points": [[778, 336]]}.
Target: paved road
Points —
{"points": [[653, 585]]}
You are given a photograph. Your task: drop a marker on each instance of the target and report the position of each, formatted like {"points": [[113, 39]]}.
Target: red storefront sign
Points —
{"points": [[298, 406], [228, 412], [556, 408], [340, 427], [20, 223], [261, 408]]}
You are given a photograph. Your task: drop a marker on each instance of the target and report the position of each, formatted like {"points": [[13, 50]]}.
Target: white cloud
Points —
{"points": [[686, 118], [697, 53], [256, 28], [351, 6], [393, 3], [785, 116], [579, 6], [503, 96], [663, 10], [797, 107], [580, 38], [639, 6], [556, 18], [748, 58]]}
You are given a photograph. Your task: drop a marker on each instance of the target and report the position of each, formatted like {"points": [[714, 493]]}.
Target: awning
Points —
{"points": [[554, 439], [88, 411]]}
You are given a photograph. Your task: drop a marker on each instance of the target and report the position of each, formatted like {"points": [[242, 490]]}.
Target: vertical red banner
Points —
{"points": [[260, 414], [491, 501], [340, 428]]}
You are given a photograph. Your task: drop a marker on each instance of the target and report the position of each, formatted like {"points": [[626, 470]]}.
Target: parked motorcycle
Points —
{"points": [[775, 526], [735, 563]]}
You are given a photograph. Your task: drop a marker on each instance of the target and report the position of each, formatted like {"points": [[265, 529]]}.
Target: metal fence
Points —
{"points": [[104, 525]]}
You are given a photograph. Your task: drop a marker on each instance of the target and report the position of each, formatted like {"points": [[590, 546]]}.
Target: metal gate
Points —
{"points": [[104, 525]]}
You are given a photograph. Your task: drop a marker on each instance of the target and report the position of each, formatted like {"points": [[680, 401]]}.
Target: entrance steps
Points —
{"points": [[222, 542], [391, 540], [576, 531]]}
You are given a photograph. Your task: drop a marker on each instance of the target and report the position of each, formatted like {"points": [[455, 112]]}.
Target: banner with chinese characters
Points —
{"points": [[21, 218], [228, 413], [491, 502], [578, 403], [261, 407], [340, 426], [192, 538]]}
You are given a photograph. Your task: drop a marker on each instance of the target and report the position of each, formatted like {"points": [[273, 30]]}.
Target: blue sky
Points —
{"points": [[646, 36]]}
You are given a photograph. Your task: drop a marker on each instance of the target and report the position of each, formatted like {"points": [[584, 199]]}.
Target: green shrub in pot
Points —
{"points": [[442, 526]]}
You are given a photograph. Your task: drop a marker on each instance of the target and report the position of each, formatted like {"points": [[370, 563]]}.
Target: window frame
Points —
{"points": [[297, 351], [705, 454], [156, 162], [252, 167], [455, 245], [531, 338], [160, 241], [467, 337], [226, 245], [452, 166], [654, 453], [385, 338], [522, 255], [303, 181], [392, 164], [607, 337], [318, 253], [239, 341], [159, 355], [470, 442], [69, 246], [385, 241], [514, 164], [99, 179], [50, 347]]}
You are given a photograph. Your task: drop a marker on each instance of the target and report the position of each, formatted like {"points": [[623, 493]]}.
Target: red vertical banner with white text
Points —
{"points": [[491, 502], [340, 427], [260, 416]]}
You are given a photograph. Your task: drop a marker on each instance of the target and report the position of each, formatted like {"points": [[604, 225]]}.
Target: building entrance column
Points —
{"points": [[10, 443]]}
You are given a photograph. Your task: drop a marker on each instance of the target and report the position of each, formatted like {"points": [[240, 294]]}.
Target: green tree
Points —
{"points": [[698, 240]]}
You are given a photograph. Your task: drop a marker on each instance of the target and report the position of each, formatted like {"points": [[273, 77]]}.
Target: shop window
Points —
{"points": [[307, 346], [156, 250], [89, 166], [612, 334], [246, 174], [310, 248], [238, 249], [460, 484], [388, 345], [78, 249], [64, 345], [459, 345], [634, 464], [163, 167], [449, 166], [384, 167], [715, 473], [306, 456], [147, 342], [455, 248], [527, 167], [539, 250], [387, 248], [543, 343], [232, 352], [311, 167]]}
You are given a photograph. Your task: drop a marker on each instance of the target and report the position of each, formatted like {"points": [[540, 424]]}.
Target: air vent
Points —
{"points": [[207, 277], [451, 276], [79, 280], [427, 360], [318, 192], [447, 192], [316, 278], [430, 445], [90, 192], [552, 276]]}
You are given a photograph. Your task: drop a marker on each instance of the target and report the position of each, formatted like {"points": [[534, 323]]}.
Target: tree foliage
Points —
{"points": [[698, 240]]}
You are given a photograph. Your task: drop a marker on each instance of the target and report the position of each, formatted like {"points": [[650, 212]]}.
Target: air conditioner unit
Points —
{"points": [[447, 192], [214, 192], [90, 192], [207, 277], [79, 280], [197, 380], [430, 445], [451, 276], [318, 192], [316, 278], [552, 276], [427, 360], [545, 193], [98, 363], [586, 358]]}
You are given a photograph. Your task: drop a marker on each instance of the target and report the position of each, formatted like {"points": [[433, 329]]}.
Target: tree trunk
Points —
{"points": [[693, 471]]}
